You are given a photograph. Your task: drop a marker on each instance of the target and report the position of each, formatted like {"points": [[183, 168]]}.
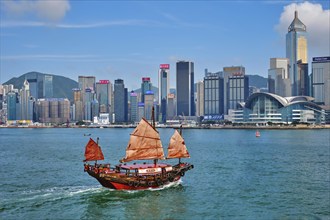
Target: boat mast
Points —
{"points": [[97, 142], [153, 117], [153, 125], [181, 136]]}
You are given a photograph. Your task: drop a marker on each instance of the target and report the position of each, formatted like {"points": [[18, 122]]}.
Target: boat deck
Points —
{"points": [[143, 166]]}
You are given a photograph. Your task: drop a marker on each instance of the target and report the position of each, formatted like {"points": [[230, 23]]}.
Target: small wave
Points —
{"points": [[170, 185], [39, 197], [55, 193]]}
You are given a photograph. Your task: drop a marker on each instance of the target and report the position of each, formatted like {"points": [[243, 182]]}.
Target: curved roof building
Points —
{"points": [[263, 107]]}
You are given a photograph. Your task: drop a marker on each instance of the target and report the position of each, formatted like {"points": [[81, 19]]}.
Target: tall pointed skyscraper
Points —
{"points": [[296, 52]]}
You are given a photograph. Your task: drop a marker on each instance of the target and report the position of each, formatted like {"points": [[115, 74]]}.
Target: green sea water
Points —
{"points": [[284, 174]]}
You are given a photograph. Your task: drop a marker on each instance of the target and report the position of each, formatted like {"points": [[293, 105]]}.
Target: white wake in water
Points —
{"points": [[63, 192], [56, 193], [172, 184]]}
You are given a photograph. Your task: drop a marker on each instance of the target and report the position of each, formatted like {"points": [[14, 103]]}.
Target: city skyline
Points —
{"points": [[129, 40]]}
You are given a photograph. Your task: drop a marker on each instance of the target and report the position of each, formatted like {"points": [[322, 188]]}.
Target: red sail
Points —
{"points": [[93, 151], [144, 144], [177, 148]]}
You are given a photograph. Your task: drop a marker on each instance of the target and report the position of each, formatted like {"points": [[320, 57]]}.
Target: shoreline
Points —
{"points": [[247, 127]]}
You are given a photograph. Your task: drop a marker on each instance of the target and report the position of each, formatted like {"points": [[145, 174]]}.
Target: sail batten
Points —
{"points": [[144, 144], [177, 148], [93, 151], [144, 137]]}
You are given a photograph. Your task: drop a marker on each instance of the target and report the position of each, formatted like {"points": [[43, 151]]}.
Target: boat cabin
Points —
{"points": [[144, 169]]}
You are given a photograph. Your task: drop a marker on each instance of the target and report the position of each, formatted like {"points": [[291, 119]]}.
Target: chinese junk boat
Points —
{"points": [[144, 144]]}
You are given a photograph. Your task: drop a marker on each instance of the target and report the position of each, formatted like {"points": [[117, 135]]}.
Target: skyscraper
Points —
{"points": [[25, 103], [95, 108], [213, 96], [148, 104], [236, 87], [34, 81], [12, 102], [164, 90], [238, 90], [145, 86], [200, 99], [48, 86], [303, 82], [103, 94], [86, 82], [140, 110], [321, 80], [185, 88], [88, 97], [296, 51], [134, 107], [54, 110], [278, 77], [171, 106], [120, 101], [78, 105]]}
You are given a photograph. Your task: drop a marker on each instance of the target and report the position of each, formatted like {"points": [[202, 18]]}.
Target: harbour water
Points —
{"points": [[284, 174]]}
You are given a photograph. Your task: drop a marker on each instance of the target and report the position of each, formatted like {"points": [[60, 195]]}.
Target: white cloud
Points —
{"points": [[317, 21], [49, 10]]}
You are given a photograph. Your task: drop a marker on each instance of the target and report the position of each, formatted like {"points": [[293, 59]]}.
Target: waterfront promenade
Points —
{"points": [[176, 126]]}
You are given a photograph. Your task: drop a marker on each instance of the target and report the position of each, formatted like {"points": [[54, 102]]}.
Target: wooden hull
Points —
{"points": [[126, 181]]}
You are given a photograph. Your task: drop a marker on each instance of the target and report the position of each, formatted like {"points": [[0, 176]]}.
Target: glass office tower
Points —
{"points": [[120, 101], [213, 96], [185, 88], [321, 80], [164, 90], [296, 51], [145, 86]]}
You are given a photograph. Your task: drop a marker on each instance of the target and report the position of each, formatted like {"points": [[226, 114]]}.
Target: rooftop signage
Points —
{"points": [[237, 74], [145, 79], [164, 66], [149, 92], [104, 81], [171, 96], [321, 59], [232, 69]]}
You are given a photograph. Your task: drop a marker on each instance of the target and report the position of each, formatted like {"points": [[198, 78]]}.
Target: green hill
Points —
{"points": [[62, 86], [257, 81]]}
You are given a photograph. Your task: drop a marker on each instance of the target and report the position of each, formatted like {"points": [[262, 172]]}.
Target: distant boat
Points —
{"points": [[144, 144], [257, 133], [87, 134]]}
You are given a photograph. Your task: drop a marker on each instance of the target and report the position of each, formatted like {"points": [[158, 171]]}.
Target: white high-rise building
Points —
{"points": [[200, 99], [278, 77]]}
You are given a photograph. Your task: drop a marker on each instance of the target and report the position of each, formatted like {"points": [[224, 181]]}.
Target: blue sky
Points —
{"points": [[129, 39]]}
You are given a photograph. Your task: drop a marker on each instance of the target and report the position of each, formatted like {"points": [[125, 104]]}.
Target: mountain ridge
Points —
{"points": [[62, 86]]}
